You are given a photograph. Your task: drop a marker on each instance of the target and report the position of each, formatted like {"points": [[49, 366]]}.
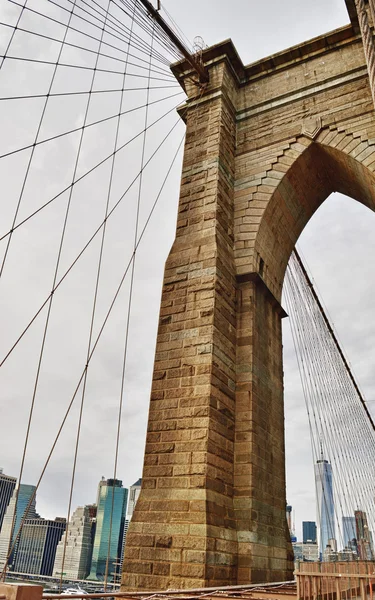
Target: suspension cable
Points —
{"points": [[337, 412], [78, 179], [94, 346], [62, 278], [84, 126]]}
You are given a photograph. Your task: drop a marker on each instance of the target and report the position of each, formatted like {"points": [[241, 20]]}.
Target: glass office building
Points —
{"points": [[37, 546], [309, 532], [111, 500], [7, 485], [349, 531], [325, 504], [24, 496]]}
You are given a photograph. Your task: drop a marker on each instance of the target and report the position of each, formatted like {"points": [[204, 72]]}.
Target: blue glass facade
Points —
{"points": [[109, 532], [325, 503], [309, 532], [24, 496], [349, 530]]}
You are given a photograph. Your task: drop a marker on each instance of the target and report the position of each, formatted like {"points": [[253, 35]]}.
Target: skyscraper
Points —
{"points": [[7, 485], [309, 532], [78, 549], [364, 537], [348, 531], [37, 546], [289, 517], [325, 504], [24, 496], [134, 492], [110, 518]]}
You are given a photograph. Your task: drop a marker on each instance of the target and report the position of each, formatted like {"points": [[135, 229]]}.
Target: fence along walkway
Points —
{"points": [[354, 580], [267, 591]]}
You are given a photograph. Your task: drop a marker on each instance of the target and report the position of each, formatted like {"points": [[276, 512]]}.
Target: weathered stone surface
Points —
{"points": [[15, 591], [265, 146]]}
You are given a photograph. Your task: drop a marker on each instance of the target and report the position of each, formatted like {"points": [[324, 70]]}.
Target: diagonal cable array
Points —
{"points": [[107, 63], [342, 430], [128, 45]]}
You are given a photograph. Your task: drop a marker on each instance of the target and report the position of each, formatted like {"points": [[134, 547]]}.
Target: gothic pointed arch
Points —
{"points": [[339, 160]]}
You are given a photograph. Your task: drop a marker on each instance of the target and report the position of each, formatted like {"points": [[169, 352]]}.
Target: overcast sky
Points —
{"points": [[338, 245]]}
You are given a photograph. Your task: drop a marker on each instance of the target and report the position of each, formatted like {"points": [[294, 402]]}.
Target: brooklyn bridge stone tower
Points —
{"points": [[265, 145]]}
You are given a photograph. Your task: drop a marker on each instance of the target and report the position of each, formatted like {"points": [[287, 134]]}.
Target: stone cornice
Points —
{"points": [[333, 40], [310, 90]]}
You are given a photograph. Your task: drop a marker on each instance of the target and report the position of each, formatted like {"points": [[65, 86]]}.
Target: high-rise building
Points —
{"points": [[364, 537], [348, 531], [78, 544], [110, 519], [16, 514], [289, 517], [37, 546], [134, 492], [325, 504], [7, 485], [309, 532], [305, 552]]}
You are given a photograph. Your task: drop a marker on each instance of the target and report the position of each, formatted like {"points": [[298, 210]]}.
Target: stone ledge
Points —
{"points": [[299, 53], [259, 281]]}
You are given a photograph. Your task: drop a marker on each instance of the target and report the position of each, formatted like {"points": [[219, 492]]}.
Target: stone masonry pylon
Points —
{"points": [[183, 531], [194, 521], [265, 145]]}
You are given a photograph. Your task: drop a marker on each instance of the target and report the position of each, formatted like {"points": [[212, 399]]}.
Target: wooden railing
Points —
{"points": [[354, 580], [267, 591]]}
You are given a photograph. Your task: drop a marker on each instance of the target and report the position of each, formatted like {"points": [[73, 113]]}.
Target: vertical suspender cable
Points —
{"points": [[336, 408], [129, 304], [94, 302], [97, 339], [1, 270]]}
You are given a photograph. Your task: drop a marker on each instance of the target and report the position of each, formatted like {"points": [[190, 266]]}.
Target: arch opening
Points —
{"points": [[300, 197], [314, 175], [338, 246]]}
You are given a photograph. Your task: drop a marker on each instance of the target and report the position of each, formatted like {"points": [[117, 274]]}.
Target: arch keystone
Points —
{"points": [[311, 127]]}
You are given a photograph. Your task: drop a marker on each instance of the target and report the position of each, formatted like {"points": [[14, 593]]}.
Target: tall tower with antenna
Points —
{"points": [[325, 502]]}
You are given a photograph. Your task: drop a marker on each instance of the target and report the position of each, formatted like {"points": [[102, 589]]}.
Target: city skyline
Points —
{"points": [[77, 549], [42, 545]]}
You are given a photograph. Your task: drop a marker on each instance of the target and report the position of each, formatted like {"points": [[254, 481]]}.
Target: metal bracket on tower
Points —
{"points": [[198, 68]]}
